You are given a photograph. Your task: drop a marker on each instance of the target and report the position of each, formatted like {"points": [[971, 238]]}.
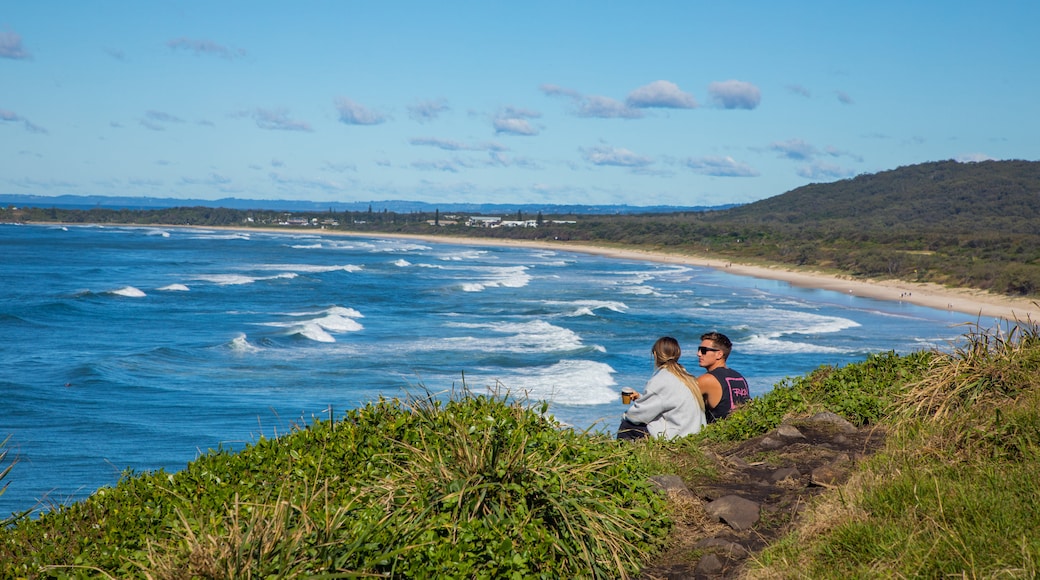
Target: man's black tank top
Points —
{"points": [[735, 391]]}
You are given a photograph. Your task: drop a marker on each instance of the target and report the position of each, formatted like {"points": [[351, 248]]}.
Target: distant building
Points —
{"points": [[484, 222]]}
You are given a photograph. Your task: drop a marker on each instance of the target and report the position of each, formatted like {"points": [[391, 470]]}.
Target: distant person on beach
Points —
{"points": [[724, 389], [671, 405]]}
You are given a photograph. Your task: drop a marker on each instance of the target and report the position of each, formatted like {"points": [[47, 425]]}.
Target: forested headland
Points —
{"points": [[971, 225]]}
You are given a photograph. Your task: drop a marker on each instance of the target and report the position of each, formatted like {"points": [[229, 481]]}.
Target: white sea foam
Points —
{"points": [[588, 307], [306, 246], [160, 233], [464, 255], [568, 382], [237, 279], [498, 277], [402, 263], [174, 288], [210, 235], [318, 325], [778, 330], [129, 292], [536, 336], [309, 268], [399, 245], [240, 344], [640, 290]]}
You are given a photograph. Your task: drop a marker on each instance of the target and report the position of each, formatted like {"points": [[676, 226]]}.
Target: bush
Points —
{"points": [[473, 487]]}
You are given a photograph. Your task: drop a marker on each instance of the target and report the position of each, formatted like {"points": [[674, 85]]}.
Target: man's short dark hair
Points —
{"points": [[720, 341]]}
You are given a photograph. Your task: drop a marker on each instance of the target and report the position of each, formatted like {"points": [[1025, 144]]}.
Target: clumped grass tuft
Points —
{"points": [[467, 487], [863, 393], [954, 493]]}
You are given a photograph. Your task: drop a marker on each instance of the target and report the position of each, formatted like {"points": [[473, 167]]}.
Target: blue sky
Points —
{"points": [[605, 102]]}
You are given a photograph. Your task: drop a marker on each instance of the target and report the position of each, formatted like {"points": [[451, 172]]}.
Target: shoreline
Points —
{"points": [[977, 304]]}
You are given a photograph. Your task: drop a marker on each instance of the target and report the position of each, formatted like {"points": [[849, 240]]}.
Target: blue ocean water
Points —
{"points": [[139, 348]]}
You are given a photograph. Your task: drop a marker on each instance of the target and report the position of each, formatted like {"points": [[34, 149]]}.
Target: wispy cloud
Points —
{"points": [[794, 149], [661, 94], [353, 113], [450, 145], [158, 120], [799, 90], [425, 111], [844, 98], [973, 157], [211, 179], [515, 121], [12, 117], [278, 120], [822, 170], [11, 46], [592, 106], [604, 155], [204, 47], [720, 167], [735, 94]]}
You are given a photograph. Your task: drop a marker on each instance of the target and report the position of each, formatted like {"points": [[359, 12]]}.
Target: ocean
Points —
{"points": [[139, 348]]}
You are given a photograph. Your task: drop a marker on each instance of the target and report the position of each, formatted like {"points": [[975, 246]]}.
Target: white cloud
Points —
{"points": [[278, 120], [514, 121], [352, 113], [973, 157], [720, 167], [425, 111], [606, 108], [11, 46], [794, 149], [735, 94], [799, 90], [820, 170], [450, 145], [593, 106], [615, 156], [12, 117], [204, 47], [661, 94]]}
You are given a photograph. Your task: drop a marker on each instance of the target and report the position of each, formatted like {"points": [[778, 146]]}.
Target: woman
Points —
{"points": [[671, 406]]}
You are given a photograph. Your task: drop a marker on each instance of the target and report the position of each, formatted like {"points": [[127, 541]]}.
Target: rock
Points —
{"points": [[770, 443], [789, 432], [784, 473], [722, 546], [827, 476], [708, 565], [735, 511], [671, 484], [834, 419]]}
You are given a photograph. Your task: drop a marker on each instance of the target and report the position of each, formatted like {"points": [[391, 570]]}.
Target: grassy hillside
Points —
{"points": [[486, 487]]}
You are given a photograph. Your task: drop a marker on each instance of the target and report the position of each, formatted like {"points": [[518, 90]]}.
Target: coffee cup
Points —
{"points": [[626, 395]]}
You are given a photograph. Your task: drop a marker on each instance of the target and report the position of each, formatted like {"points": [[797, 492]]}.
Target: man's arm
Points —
{"points": [[710, 388]]}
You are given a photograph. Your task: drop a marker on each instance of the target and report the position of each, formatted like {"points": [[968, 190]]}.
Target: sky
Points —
{"points": [[683, 103]]}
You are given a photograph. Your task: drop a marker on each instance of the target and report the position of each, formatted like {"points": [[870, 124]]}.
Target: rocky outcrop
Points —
{"points": [[759, 487]]}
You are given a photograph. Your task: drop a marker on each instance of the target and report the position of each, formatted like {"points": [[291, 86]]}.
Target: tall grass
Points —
{"points": [[954, 493], [465, 486]]}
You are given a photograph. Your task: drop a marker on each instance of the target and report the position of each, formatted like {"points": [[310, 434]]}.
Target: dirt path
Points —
{"points": [[759, 489]]}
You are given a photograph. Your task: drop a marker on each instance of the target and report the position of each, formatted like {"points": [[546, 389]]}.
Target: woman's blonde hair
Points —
{"points": [[666, 354]]}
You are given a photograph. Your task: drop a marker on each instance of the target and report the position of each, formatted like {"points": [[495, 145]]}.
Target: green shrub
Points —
{"points": [[471, 487]]}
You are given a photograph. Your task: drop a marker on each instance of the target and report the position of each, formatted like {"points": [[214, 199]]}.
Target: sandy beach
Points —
{"points": [[978, 306]]}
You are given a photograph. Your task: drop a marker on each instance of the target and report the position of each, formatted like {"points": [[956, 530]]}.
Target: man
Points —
{"points": [[724, 389]]}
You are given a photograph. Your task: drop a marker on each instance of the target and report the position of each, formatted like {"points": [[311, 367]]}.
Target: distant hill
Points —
{"points": [[942, 196], [398, 206]]}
